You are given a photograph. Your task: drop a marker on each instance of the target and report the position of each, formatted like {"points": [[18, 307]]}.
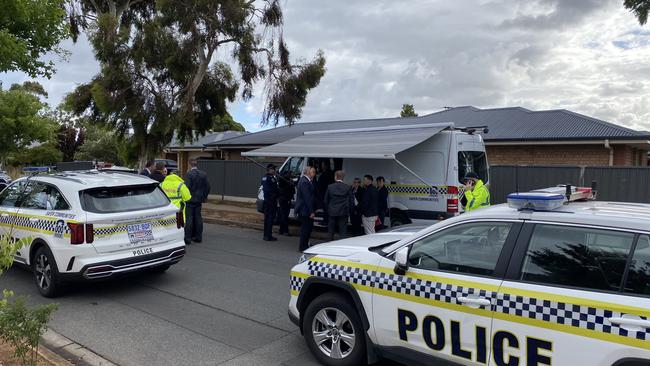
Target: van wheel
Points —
{"points": [[333, 331], [46, 273]]}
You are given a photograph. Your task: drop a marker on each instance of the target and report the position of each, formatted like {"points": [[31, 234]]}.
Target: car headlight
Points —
{"points": [[305, 257]]}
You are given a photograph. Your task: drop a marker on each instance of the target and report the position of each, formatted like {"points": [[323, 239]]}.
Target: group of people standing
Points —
{"points": [[187, 194], [364, 206]]}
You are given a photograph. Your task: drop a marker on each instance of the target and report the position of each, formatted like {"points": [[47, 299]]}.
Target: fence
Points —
{"points": [[233, 178], [626, 184]]}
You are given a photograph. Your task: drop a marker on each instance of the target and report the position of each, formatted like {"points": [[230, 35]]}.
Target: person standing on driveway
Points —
{"points": [[160, 172], [369, 203], [477, 194], [197, 182], [287, 191], [178, 193], [355, 215], [382, 205], [339, 201], [305, 206], [271, 193], [148, 168]]}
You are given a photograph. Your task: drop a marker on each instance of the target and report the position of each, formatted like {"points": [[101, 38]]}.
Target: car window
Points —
{"points": [[10, 195], [472, 162], [577, 257], [638, 277], [123, 199], [294, 166], [467, 248], [41, 196]]}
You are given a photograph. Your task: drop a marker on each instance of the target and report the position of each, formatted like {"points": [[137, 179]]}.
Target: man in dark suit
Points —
{"points": [[305, 206], [148, 168], [160, 172], [382, 205], [287, 191], [339, 202], [197, 182], [368, 207], [271, 194]]}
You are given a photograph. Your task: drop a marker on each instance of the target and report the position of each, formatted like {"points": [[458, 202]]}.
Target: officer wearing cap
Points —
{"points": [[271, 194], [477, 194]]}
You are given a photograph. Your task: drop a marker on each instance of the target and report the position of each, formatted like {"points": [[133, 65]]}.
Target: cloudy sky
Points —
{"points": [[589, 56]]}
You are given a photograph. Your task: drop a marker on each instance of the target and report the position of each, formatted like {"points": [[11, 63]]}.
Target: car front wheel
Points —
{"points": [[333, 331], [46, 274]]}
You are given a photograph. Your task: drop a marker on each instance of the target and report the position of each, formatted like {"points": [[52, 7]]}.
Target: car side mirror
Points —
{"points": [[402, 261]]}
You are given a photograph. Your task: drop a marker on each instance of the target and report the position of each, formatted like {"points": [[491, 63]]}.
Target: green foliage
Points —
{"points": [[44, 154], [28, 30], [160, 75], [23, 120], [103, 144], [408, 111], [640, 8], [22, 326], [68, 137], [226, 123]]}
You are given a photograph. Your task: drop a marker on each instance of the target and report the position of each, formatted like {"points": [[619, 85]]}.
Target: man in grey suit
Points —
{"points": [[197, 182]]}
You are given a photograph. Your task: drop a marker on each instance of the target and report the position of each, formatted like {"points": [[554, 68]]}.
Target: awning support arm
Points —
{"points": [[263, 167], [412, 172]]}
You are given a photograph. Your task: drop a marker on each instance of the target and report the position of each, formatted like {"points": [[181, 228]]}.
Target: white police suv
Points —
{"points": [[90, 225], [535, 282]]}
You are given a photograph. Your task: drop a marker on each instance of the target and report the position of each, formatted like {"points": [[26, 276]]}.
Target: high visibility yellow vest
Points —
{"points": [[479, 197], [175, 188]]}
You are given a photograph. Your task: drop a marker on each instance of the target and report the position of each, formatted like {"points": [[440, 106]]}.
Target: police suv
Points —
{"points": [[539, 281], [90, 225]]}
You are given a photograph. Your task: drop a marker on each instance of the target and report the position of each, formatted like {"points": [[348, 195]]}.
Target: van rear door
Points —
{"points": [[127, 217]]}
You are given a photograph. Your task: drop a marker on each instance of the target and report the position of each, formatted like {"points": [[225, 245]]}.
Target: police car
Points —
{"points": [[90, 225], [539, 281]]}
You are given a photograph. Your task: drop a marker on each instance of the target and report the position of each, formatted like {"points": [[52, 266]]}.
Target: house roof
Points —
{"points": [[201, 142], [505, 124]]}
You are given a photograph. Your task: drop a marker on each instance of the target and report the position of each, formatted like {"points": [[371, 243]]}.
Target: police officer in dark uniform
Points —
{"points": [[271, 194]]}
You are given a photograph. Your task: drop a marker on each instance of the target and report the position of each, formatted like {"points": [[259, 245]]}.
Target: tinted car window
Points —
{"points": [[123, 199], [44, 197], [472, 162], [10, 196], [577, 257], [467, 248], [638, 278]]}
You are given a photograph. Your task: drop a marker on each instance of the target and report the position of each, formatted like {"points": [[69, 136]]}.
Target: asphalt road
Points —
{"points": [[224, 304]]}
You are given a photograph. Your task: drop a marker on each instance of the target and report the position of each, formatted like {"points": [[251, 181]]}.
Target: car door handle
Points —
{"points": [[33, 219], [4, 215], [630, 322], [474, 301]]}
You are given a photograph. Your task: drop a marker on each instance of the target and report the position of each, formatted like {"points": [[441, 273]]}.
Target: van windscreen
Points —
{"points": [[123, 199], [472, 162]]}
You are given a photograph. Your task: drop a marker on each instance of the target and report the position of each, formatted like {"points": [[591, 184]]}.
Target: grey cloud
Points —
{"points": [[564, 13]]}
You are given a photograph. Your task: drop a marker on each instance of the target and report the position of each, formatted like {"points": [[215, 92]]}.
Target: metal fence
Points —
{"points": [[233, 178], [626, 184]]}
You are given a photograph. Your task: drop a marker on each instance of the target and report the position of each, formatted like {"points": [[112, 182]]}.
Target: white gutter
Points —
{"points": [[565, 142]]}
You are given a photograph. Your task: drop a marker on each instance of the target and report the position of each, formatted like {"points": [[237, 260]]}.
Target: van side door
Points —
{"points": [[566, 300]]}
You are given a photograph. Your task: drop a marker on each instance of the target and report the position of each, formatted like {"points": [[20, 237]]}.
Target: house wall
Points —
{"points": [[582, 155]]}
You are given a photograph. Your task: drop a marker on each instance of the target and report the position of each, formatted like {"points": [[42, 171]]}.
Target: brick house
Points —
{"points": [[517, 136], [182, 152]]}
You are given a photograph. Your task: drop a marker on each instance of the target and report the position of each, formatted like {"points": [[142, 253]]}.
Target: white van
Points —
{"points": [[423, 165]]}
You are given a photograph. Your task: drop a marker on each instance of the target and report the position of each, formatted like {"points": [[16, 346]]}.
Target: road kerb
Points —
{"points": [[62, 351]]}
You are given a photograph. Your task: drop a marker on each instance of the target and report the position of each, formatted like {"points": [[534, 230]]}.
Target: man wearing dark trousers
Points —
{"points": [[339, 201], [382, 205], [287, 191], [305, 206], [355, 215], [197, 182], [369, 203], [271, 194]]}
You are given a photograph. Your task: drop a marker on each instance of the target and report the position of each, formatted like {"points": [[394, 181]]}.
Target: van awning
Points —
{"points": [[361, 143]]}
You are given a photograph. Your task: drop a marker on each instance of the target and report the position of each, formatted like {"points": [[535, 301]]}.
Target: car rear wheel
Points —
{"points": [[46, 274], [333, 331]]}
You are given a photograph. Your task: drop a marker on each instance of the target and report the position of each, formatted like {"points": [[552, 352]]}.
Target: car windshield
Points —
{"points": [[123, 199]]}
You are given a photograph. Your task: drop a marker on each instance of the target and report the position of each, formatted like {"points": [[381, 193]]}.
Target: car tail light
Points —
{"points": [[90, 233], [179, 219], [76, 233], [452, 199]]}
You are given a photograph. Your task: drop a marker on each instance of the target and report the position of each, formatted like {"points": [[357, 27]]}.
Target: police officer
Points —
{"points": [[477, 194], [271, 193], [175, 188]]}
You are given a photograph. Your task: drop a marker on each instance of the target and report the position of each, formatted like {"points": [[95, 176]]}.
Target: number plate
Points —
{"points": [[139, 233]]}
